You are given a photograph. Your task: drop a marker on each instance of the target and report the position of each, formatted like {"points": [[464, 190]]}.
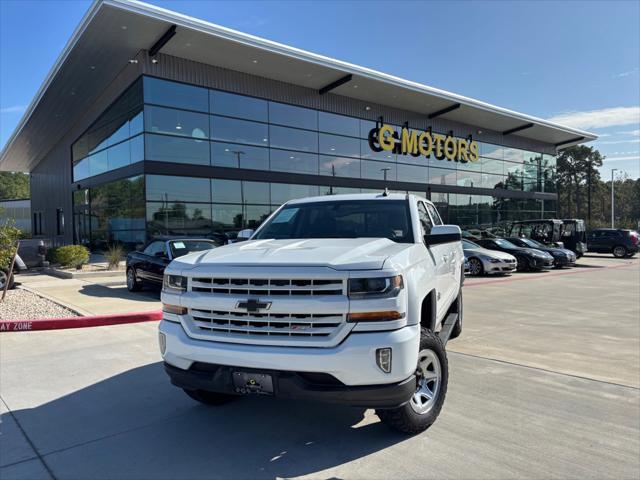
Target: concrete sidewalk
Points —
{"points": [[94, 296]]}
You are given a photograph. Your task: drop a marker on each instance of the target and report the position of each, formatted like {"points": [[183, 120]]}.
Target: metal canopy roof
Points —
{"points": [[114, 31]]}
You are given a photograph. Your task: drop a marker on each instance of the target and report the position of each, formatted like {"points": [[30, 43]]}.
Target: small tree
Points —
{"points": [[9, 236]]}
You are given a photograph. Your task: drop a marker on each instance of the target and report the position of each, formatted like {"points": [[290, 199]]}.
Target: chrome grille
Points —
{"points": [[267, 286], [266, 324]]}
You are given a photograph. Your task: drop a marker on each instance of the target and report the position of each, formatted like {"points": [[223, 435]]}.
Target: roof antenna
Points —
{"points": [[386, 192]]}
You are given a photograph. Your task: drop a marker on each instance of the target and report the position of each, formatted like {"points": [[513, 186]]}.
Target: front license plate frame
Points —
{"points": [[250, 383]]}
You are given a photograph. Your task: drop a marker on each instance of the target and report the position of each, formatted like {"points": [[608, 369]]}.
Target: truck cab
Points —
{"points": [[346, 299]]}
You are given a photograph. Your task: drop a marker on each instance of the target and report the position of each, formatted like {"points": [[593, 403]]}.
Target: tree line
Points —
{"points": [[583, 193]]}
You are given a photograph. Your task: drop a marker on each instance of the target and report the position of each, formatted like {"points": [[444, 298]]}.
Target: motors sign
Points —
{"points": [[427, 143]]}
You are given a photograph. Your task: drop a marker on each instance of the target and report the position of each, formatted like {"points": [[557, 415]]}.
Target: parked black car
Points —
{"points": [[618, 241], [527, 258], [562, 257], [148, 264]]}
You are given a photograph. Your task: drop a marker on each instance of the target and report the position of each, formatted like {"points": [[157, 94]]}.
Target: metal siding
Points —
{"points": [[51, 179]]}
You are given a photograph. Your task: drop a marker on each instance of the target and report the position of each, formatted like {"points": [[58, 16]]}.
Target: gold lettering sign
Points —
{"points": [[410, 142]]}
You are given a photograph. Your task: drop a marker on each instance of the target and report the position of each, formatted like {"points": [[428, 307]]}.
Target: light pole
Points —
{"points": [[612, 200], [385, 170]]}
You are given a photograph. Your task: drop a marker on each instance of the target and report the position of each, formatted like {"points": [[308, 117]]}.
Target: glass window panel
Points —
{"points": [[136, 124], [293, 116], [121, 134], [468, 179], [365, 127], [490, 180], [283, 192], [367, 154], [549, 180], [178, 218], [165, 188], [442, 176], [240, 106], [118, 156], [293, 139], [513, 155], [412, 173], [339, 124], [337, 145], [378, 170], [226, 191], [81, 170], [295, 162], [136, 148], [239, 131], [491, 151], [239, 156], [176, 122], [173, 94], [339, 166], [227, 218], [548, 161], [256, 192], [490, 165], [164, 148], [326, 190], [255, 215], [98, 163]]}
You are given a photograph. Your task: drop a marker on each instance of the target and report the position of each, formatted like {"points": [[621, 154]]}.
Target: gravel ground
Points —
{"points": [[24, 305]]}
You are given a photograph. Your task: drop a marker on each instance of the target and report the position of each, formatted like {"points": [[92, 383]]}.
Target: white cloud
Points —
{"points": [[616, 142], [13, 109], [633, 133], [626, 74], [605, 117]]}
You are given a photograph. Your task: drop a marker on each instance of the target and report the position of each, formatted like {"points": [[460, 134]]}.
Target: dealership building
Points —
{"points": [[152, 122]]}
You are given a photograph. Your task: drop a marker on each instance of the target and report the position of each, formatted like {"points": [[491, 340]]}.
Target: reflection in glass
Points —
{"points": [[299, 117], [295, 162], [412, 173], [239, 131], [338, 124], [173, 94], [337, 145], [227, 218], [239, 156], [165, 188], [118, 156], [226, 191], [442, 176], [379, 170], [293, 139], [255, 215], [178, 218], [256, 192], [176, 122], [164, 148], [240, 106], [283, 192], [339, 166]]}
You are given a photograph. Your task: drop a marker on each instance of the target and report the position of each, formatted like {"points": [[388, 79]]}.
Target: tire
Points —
{"points": [[421, 411], [4, 275], [619, 251], [210, 398], [475, 267], [133, 285]]}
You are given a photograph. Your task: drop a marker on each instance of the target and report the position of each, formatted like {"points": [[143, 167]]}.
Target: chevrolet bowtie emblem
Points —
{"points": [[252, 305]]}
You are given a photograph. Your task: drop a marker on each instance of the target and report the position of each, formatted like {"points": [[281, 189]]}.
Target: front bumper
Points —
{"points": [[352, 362], [295, 385], [541, 264], [564, 261], [491, 268]]}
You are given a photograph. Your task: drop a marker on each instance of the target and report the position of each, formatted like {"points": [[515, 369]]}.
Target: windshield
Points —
{"points": [[469, 245], [504, 243], [182, 247], [341, 219]]}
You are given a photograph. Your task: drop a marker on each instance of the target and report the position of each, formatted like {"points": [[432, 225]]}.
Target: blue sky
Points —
{"points": [[573, 62]]}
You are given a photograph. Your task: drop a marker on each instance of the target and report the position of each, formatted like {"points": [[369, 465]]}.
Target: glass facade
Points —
{"points": [[165, 121]]}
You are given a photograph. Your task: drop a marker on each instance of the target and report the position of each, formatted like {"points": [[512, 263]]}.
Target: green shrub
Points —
{"points": [[114, 254], [72, 256], [51, 255], [8, 237]]}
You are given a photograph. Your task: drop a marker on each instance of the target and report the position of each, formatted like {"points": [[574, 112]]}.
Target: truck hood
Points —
{"points": [[339, 254]]}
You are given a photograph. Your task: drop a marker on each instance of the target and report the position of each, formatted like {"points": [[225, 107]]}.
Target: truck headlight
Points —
{"points": [[174, 283], [375, 287]]}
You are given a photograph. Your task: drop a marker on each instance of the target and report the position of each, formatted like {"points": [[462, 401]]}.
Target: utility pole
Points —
{"points": [[385, 170], [589, 195], [613, 200]]}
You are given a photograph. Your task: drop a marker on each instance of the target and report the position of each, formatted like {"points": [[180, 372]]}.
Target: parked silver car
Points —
{"points": [[484, 261]]}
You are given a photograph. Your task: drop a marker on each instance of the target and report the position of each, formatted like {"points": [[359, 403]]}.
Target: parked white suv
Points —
{"points": [[345, 298]]}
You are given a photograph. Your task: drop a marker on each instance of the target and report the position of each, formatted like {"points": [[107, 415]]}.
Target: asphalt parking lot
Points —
{"points": [[544, 382]]}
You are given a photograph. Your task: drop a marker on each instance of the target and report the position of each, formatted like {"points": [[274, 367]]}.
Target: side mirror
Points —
{"points": [[443, 234], [244, 235], [160, 254]]}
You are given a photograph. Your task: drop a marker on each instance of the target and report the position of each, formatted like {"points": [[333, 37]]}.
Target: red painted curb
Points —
{"points": [[78, 322]]}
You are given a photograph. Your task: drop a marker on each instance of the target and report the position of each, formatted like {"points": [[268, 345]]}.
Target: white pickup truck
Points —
{"points": [[346, 299]]}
